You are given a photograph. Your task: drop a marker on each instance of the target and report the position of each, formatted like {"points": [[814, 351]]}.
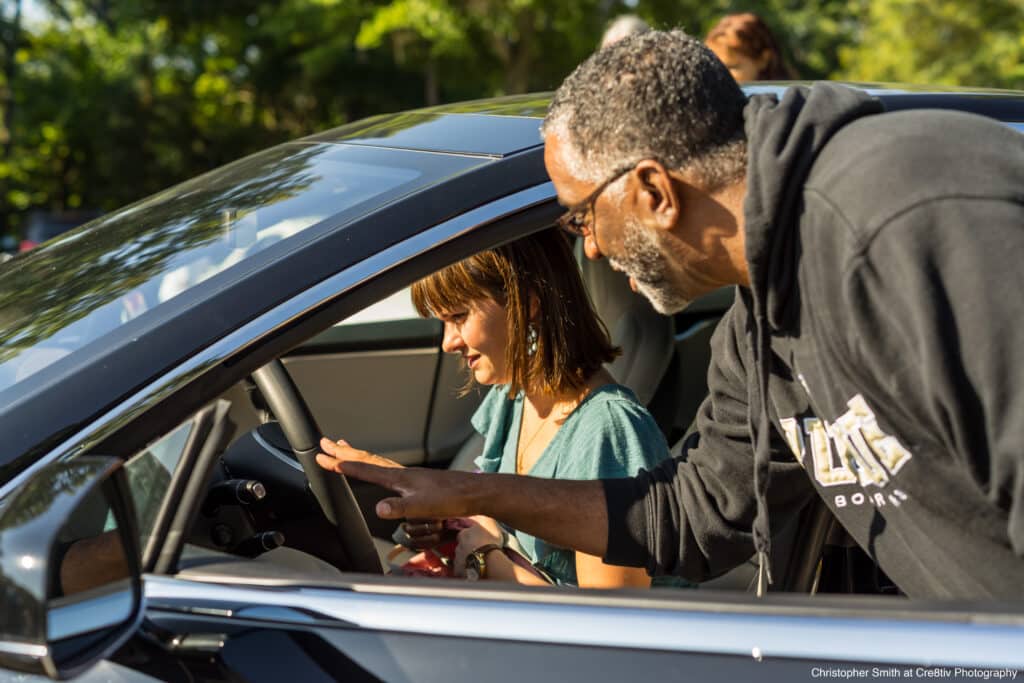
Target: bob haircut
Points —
{"points": [[572, 342]]}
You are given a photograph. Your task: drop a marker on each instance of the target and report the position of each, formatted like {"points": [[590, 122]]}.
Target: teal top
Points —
{"points": [[609, 435]]}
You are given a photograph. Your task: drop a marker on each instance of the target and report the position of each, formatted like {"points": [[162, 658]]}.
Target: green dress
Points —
{"points": [[609, 435]]}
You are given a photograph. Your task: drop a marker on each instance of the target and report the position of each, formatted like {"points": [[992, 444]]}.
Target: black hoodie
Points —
{"points": [[877, 358]]}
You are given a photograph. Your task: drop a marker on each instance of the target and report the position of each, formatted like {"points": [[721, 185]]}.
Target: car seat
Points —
{"points": [[646, 337]]}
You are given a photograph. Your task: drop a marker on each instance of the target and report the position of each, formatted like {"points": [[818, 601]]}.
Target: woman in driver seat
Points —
{"points": [[521, 319]]}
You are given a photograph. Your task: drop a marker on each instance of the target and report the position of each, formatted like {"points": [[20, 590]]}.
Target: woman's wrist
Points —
{"points": [[499, 566]]}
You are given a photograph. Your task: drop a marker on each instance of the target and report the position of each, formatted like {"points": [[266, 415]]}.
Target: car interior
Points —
{"points": [[245, 497]]}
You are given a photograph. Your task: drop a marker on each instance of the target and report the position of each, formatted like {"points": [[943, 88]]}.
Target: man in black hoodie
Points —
{"points": [[872, 356]]}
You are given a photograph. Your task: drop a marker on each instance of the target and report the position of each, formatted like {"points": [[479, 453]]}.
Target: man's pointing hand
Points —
{"points": [[424, 493]]}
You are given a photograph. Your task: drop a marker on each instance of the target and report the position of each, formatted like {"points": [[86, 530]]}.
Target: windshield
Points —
{"points": [[57, 299]]}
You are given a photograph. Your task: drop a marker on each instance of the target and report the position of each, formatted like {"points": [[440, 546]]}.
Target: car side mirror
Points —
{"points": [[69, 568]]}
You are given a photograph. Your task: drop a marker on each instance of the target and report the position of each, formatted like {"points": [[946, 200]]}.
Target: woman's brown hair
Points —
{"points": [[753, 38], [572, 342]]}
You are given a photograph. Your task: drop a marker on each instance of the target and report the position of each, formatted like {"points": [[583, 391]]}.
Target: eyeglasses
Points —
{"points": [[575, 220]]}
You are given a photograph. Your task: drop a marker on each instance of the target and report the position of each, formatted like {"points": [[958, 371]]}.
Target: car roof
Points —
{"points": [[450, 133], [501, 126]]}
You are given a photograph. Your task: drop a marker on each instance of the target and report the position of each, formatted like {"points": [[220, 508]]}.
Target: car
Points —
{"points": [[166, 372]]}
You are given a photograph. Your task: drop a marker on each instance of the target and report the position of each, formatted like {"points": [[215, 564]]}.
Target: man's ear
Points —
{"points": [[657, 199]]}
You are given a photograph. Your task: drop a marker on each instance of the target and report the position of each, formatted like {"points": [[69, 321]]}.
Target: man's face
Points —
{"points": [[620, 235], [643, 261]]}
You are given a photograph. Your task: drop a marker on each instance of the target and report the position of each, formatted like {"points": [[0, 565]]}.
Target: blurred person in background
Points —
{"points": [[622, 26], [748, 48]]}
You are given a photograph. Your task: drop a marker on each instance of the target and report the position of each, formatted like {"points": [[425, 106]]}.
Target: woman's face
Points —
{"points": [[743, 67], [479, 334]]}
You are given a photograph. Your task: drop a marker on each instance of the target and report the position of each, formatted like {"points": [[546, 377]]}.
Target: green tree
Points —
{"points": [[116, 99], [470, 48], [106, 101], [955, 42]]}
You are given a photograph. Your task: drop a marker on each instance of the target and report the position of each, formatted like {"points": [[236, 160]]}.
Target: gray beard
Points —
{"points": [[643, 261]]}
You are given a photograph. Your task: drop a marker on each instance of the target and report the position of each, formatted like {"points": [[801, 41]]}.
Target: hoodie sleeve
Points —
{"points": [[939, 286], [692, 515]]}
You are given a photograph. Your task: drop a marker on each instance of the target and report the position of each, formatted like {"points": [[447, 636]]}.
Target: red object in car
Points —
{"points": [[434, 562], [437, 561]]}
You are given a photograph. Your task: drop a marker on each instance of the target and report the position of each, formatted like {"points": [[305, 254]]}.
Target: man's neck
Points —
{"points": [[717, 218], [733, 198]]}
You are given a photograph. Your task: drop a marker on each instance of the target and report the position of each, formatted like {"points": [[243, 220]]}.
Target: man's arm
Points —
{"points": [[571, 514], [691, 516]]}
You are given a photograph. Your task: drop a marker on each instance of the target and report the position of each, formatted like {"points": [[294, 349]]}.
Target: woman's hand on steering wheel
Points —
{"points": [[334, 452]]}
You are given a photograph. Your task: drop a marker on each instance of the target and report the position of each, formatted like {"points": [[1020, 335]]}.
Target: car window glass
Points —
{"points": [[398, 306], [149, 475], [78, 288]]}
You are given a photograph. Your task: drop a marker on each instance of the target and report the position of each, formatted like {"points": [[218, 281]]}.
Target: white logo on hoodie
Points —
{"points": [[852, 450]]}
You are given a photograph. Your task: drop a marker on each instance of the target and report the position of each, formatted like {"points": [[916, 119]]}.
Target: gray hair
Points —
{"points": [[656, 95], [622, 26]]}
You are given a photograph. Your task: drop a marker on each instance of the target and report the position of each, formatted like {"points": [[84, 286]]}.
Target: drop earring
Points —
{"points": [[531, 339]]}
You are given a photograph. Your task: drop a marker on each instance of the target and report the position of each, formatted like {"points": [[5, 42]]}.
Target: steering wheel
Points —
{"points": [[330, 489]]}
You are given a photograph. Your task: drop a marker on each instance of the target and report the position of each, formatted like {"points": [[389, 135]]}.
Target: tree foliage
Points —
{"points": [[105, 101], [939, 41]]}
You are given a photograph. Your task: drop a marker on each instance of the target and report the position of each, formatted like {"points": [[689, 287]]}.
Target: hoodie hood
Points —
{"points": [[783, 140]]}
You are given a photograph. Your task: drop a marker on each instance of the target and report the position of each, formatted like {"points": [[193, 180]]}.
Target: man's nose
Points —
{"points": [[452, 340], [590, 248]]}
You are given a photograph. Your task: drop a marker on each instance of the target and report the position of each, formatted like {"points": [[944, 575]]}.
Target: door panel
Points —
{"points": [[382, 382], [353, 655], [376, 400], [436, 632], [370, 378], [269, 653]]}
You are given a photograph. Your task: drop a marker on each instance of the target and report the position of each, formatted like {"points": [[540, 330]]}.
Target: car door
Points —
{"points": [[214, 617], [386, 630]]}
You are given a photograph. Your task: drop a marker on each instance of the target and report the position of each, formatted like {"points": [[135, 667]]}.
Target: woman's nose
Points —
{"points": [[452, 340]]}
